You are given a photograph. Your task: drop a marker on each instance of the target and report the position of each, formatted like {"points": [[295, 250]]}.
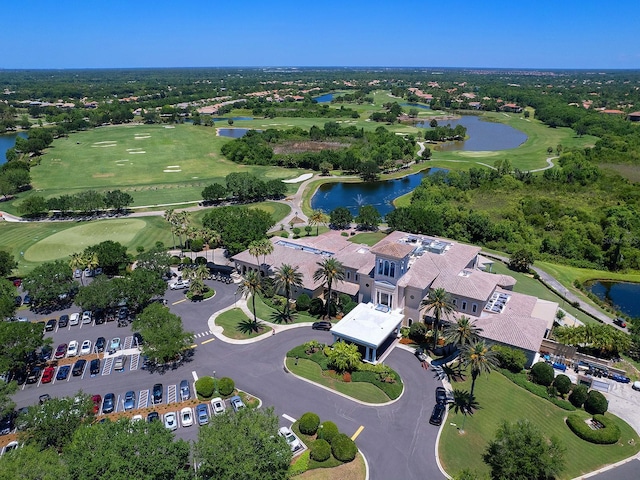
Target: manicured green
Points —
{"points": [[229, 321], [368, 238], [500, 400], [265, 312]]}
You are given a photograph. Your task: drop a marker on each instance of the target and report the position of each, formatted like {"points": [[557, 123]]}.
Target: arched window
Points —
{"points": [[386, 268], [392, 270], [410, 322], [380, 265]]}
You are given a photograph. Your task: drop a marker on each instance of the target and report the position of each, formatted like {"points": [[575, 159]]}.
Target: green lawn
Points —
{"points": [[500, 400], [229, 321], [363, 391], [368, 238], [265, 312], [277, 210]]}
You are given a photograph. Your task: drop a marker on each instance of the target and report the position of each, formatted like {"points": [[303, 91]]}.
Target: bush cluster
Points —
{"points": [[578, 395], [520, 379], [316, 307], [309, 423], [596, 403], [563, 384], [603, 436], [542, 374], [205, 386], [320, 450], [327, 431], [417, 332], [343, 448], [512, 359], [226, 386], [303, 302]]}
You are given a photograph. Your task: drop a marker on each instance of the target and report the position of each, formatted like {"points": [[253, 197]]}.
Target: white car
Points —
{"points": [[72, 349], [86, 317], [180, 284], [136, 418], [186, 416], [290, 437], [218, 406], [171, 420], [636, 385], [85, 349], [74, 319]]}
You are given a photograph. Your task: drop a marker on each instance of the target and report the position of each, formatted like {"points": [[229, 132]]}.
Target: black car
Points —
{"points": [[34, 375], [50, 326], [123, 313], [321, 325], [19, 376], [157, 393], [109, 403], [152, 416], [63, 321], [45, 353], [18, 300], [78, 367], [6, 423], [63, 372], [441, 395], [99, 316], [94, 366], [620, 322], [438, 414], [100, 343]]}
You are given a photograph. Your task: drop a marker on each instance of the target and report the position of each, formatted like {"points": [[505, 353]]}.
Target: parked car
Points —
{"points": [[97, 401], [324, 325], [11, 446], [94, 367], [217, 406], [438, 414], [130, 400], [620, 322], [85, 348], [44, 398], [185, 392], [63, 321], [18, 300], [34, 374], [78, 367], [619, 378], [171, 421], [47, 375], [441, 395], [72, 349], [6, 423], [77, 273], [137, 339], [123, 313], [26, 300], [156, 393], [109, 403], [61, 351], [136, 418], [120, 362], [289, 436], [50, 326], [100, 343], [153, 416], [74, 319], [636, 385], [186, 416], [45, 353], [179, 285], [115, 344], [88, 272], [63, 372], [99, 316], [86, 317], [202, 412], [236, 403]]}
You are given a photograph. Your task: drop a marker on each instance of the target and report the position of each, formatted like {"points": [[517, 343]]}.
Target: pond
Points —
{"points": [[483, 136], [415, 105], [623, 295], [233, 132], [7, 141], [326, 98], [355, 195], [220, 119]]}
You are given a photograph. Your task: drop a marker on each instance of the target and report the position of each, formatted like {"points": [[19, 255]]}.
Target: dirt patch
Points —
{"points": [[348, 471], [102, 175], [310, 146], [630, 172]]}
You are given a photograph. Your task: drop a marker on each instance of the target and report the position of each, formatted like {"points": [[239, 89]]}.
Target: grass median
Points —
{"points": [[232, 319]]}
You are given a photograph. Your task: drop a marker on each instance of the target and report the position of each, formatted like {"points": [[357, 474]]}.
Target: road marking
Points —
{"points": [[195, 375], [194, 345], [291, 419], [203, 334], [171, 394], [207, 341], [135, 358], [358, 432], [179, 301]]}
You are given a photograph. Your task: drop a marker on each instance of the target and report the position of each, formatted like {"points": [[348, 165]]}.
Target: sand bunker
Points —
{"points": [[171, 171], [301, 178], [140, 151], [141, 137], [169, 126], [102, 175], [172, 166], [103, 146], [106, 141]]}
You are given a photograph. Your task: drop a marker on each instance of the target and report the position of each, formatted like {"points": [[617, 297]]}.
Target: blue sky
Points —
{"points": [[423, 33]]}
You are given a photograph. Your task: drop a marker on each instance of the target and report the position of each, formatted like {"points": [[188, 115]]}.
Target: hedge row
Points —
{"points": [[604, 436], [318, 357], [521, 380], [393, 390]]}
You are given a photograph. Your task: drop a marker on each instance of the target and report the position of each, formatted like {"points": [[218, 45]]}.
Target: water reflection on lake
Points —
{"points": [[233, 132], [355, 195], [625, 296], [7, 141]]}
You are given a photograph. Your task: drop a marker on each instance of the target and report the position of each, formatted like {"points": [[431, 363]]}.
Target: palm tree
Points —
{"points": [[329, 270], [266, 248], [438, 301], [463, 332], [182, 222], [251, 285], [286, 277], [317, 218], [255, 250], [92, 261], [479, 356], [77, 262], [213, 239], [169, 216]]}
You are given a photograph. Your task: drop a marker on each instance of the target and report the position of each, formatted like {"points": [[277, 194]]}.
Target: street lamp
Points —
{"points": [[215, 384], [235, 295]]}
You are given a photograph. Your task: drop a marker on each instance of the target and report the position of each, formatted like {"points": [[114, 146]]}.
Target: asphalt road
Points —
{"points": [[397, 439]]}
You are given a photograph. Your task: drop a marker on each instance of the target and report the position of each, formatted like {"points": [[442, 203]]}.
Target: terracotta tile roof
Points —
{"points": [[392, 249], [475, 284]]}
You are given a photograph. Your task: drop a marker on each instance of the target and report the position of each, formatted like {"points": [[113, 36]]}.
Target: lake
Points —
{"points": [[327, 97], [355, 195], [623, 295], [233, 132], [483, 136], [7, 141], [415, 105], [220, 119]]}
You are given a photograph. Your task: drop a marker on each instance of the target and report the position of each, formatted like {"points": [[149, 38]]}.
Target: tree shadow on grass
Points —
{"points": [[453, 373]]}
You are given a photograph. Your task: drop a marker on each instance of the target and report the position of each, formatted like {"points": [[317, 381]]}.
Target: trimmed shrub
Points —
{"points": [[309, 423], [303, 302], [542, 374], [512, 359], [205, 386], [327, 431], [343, 448], [417, 332], [196, 245], [563, 384], [609, 434], [316, 307], [578, 395], [186, 261], [226, 386], [201, 261], [175, 260], [596, 403], [320, 450]]}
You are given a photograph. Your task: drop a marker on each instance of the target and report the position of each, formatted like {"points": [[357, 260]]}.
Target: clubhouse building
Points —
{"points": [[391, 278]]}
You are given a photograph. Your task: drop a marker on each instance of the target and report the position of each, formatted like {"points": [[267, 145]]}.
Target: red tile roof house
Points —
{"points": [[634, 117], [396, 274], [511, 107]]}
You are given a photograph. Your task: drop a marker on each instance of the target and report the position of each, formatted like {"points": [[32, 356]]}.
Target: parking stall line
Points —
{"points": [[135, 360], [128, 341], [115, 408], [171, 394], [291, 419], [143, 399], [195, 375], [108, 364]]}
